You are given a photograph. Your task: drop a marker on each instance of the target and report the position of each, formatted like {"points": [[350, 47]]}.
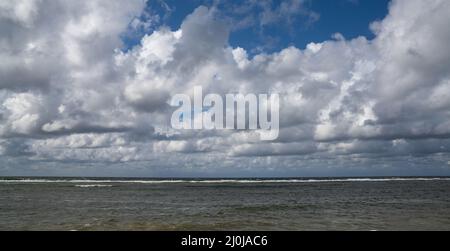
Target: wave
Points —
{"points": [[90, 186], [214, 181]]}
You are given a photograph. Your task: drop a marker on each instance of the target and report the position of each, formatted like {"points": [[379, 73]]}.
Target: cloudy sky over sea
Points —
{"points": [[85, 86]]}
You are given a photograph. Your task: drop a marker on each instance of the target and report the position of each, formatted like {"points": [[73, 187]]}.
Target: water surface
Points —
{"points": [[224, 204]]}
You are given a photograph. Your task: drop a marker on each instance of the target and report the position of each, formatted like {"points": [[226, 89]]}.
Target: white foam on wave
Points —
{"points": [[91, 186], [218, 181]]}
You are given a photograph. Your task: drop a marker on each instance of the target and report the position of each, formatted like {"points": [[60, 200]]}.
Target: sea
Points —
{"points": [[313, 204]]}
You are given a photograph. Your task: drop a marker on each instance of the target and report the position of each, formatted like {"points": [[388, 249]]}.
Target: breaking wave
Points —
{"points": [[90, 186], [99, 182]]}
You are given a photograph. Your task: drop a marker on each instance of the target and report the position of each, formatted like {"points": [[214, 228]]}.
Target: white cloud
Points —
{"points": [[21, 11], [24, 113], [71, 94]]}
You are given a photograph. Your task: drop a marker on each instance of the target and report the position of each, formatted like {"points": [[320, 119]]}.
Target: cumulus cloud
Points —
{"points": [[68, 92]]}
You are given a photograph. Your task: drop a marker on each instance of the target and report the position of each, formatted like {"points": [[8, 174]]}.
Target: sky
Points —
{"points": [[85, 86], [263, 26]]}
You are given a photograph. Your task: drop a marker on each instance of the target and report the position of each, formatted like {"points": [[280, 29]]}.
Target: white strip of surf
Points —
{"points": [[91, 186], [102, 181]]}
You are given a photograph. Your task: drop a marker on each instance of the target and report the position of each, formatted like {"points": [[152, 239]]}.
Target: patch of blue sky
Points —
{"points": [[267, 25]]}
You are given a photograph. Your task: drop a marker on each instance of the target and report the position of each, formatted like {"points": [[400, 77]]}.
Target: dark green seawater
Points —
{"points": [[277, 204]]}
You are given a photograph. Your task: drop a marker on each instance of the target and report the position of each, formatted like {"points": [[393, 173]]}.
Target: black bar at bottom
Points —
{"points": [[224, 240]]}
